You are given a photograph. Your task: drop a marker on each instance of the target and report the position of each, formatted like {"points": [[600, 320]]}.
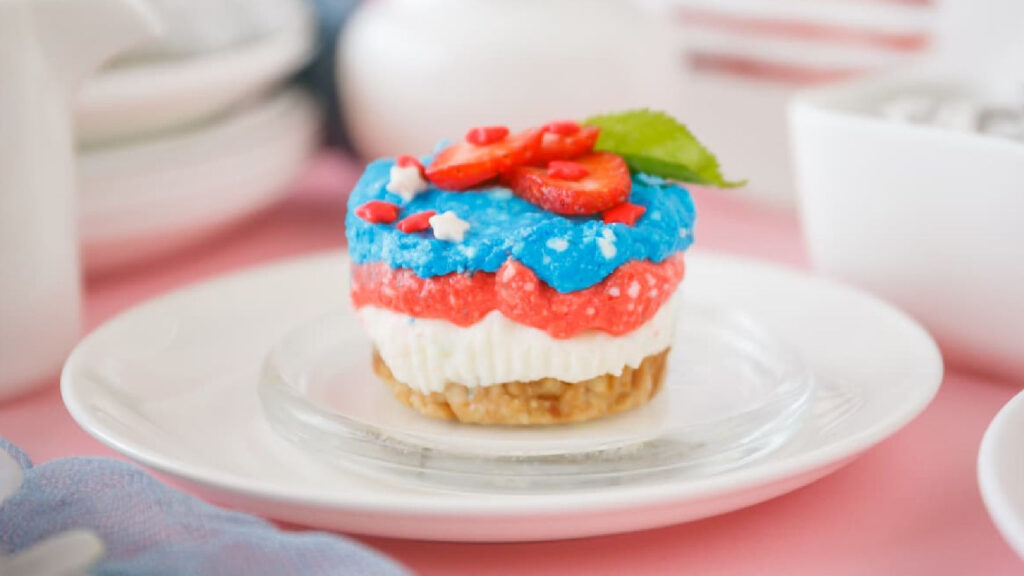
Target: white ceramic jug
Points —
{"points": [[47, 47], [416, 71]]}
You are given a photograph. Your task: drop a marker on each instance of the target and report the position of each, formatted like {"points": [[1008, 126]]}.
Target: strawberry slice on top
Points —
{"points": [[565, 141], [487, 153], [605, 183]]}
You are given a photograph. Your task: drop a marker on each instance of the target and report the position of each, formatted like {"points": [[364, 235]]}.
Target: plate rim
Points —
{"points": [[415, 505]]}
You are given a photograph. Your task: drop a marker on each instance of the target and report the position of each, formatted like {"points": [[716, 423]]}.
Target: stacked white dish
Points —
{"points": [[193, 133], [923, 215]]}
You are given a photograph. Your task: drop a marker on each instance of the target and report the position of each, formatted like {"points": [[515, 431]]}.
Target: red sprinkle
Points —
{"points": [[567, 170], [485, 135], [625, 213], [404, 161], [378, 212], [417, 222], [562, 127]]}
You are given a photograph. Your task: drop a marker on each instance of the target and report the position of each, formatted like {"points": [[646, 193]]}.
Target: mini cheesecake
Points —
{"points": [[518, 278]]}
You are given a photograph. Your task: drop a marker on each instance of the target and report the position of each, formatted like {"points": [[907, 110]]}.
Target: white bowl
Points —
{"points": [[928, 217], [1001, 472]]}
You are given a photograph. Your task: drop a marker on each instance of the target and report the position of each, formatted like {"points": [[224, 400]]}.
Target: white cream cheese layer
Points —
{"points": [[426, 354]]}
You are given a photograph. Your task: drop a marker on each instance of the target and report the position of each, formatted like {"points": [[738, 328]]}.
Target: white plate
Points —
{"points": [[146, 97], [1001, 472], [732, 394], [147, 198], [173, 384]]}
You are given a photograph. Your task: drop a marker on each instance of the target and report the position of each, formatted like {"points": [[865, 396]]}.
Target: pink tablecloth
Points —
{"points": [[909, 506]]}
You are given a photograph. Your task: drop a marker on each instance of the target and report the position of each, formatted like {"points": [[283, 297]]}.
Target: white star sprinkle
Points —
{"points": [[558, 244], [449, 227], [406, 182]]}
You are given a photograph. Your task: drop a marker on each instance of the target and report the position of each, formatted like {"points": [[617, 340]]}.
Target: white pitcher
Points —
{"points": [[47, 47], [415, 71]]}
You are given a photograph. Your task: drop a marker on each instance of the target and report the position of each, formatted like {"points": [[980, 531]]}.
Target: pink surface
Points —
{"points": [[909, 506]]}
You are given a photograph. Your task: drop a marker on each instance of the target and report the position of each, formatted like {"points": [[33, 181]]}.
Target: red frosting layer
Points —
{"points": [[623, 301]]}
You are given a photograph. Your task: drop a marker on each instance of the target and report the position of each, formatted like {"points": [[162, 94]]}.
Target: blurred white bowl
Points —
{"points": [[1001, 472], [928, 217]]}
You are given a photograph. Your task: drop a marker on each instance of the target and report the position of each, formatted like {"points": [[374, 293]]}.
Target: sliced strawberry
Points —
{"points": [[567, 170], [562, 127], [606, 184], [485, 135], [562, 143], [463, 165]]}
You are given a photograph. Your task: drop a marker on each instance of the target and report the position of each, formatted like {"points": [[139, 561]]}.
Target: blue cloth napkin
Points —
{"points": [[150, 529]]}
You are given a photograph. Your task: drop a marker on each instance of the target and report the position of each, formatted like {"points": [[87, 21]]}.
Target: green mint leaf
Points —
{"points": [[657, 144]]}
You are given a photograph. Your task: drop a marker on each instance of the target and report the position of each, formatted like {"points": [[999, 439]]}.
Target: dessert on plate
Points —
{"points": [[527, 278]]}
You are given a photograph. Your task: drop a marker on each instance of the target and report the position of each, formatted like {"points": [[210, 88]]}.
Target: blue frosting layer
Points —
{"points": [[567, 253]]}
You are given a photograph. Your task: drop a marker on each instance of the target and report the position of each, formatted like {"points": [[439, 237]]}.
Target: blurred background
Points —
{"points": [[865, 119]]}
